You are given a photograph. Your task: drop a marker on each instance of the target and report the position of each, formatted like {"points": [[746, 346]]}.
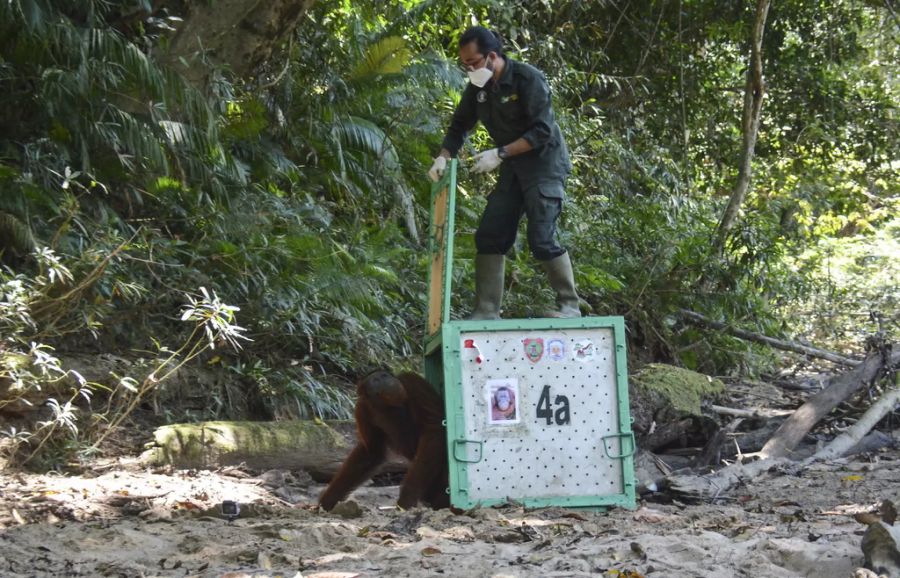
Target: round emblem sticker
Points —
{"points": [[481, 96], [556, 349], [584, 350]]}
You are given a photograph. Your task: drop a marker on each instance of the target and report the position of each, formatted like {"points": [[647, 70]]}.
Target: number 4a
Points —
{"points": [[545, 410]]}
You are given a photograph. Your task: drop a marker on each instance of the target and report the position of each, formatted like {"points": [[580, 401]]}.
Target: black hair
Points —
{"points": [[488, 40]]}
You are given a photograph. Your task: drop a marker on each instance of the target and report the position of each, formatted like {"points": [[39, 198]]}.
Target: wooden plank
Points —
{"points": [[439, 249]]}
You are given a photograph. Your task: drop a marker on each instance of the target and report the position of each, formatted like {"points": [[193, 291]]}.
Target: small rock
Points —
{"points": [[289, 496], [302, 479], [649, 515], [347, 509], [427, 532], [287, 534], [459, 534], [272, 478], [157, 513], [511, 537], [263, 561]]}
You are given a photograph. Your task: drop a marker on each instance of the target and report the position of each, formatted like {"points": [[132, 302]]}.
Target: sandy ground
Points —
{"points": [[127, 521]]}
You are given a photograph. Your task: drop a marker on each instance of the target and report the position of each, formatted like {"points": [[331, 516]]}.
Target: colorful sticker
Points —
{"points": [[503, 399], [534, 349], [584, 350], [556, 349]]}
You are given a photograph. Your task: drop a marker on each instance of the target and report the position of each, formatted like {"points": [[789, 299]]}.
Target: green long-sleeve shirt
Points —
{"points": [[517, 105]]}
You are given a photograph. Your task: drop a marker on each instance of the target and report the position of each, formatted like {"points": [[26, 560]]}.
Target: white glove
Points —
{"points": [[486, 161], [437, 169]]}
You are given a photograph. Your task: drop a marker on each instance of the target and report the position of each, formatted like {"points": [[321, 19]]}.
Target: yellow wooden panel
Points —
{"points": [[436, 288]]}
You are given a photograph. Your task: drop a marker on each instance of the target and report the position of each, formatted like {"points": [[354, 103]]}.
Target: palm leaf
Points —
{"points": [[32, 13], [366, 136], [15, 235], [387, 56]]}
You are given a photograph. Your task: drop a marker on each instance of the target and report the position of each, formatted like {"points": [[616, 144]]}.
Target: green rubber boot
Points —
{"points": [[488, 286], [562, 280]]}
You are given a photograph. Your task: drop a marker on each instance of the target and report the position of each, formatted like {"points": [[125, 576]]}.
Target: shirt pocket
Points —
{"points": [[510, 111]]}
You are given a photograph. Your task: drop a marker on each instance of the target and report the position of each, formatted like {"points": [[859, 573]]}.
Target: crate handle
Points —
{"points": [[624, 436], [458, 443]]}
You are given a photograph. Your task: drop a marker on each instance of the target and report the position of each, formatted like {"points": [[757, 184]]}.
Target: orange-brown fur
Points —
{"points": [[406, 414]]}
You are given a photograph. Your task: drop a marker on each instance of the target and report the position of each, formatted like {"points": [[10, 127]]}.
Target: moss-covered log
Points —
{"points": [[316, 447]]}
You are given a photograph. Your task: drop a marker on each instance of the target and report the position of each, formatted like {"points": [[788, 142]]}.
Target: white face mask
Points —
{"points": [[480, 77]]}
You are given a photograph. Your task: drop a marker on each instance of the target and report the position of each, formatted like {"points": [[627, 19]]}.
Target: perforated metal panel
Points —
{"points": [[565, 436]]}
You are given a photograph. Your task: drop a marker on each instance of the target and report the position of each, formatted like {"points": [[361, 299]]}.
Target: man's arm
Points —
{"points": [[464, 119], [538, 113], [517, 147]]}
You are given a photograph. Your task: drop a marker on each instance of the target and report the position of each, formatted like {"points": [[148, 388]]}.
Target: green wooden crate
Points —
{"points": [[564, 438]]}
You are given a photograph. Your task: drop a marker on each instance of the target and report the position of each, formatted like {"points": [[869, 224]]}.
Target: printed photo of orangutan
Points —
{"points": [[503, 396]]}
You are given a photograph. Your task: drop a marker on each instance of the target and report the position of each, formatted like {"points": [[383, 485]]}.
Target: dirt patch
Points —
{"points": [[124, 521]]}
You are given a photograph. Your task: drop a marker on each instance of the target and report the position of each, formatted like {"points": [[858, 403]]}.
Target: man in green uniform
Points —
{"points": [[512, 101]]}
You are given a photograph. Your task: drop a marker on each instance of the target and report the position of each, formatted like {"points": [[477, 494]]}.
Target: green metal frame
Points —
{"points": [[443, 368], [453, 401]]}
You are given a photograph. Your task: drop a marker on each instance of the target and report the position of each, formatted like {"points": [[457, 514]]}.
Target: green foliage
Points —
{"points": [[312, 248], [102, 103], [15, 236], [31, 375], [390, 55], [853, 292], [649, 97], [302, 200]]}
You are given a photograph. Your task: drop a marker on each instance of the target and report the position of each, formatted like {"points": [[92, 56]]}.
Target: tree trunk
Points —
{"points": [[842, 444], [753, 98], [839, 389], [317, 448], [237, 34], [701, 320]]}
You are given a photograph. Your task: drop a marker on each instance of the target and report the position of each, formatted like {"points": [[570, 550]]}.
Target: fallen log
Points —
{"points": [[855, 433], [319, 448], [691, 487], [749, 413], [702, 320], [711, 486], [839, 388]]}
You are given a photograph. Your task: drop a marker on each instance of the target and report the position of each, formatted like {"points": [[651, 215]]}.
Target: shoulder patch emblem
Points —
{"points": [[481, 96], [509, 98]]}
